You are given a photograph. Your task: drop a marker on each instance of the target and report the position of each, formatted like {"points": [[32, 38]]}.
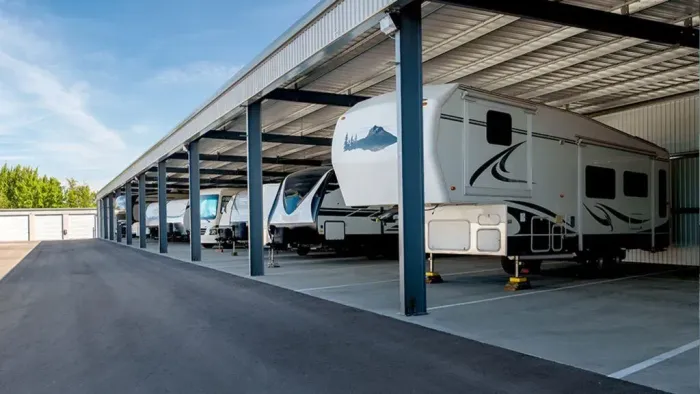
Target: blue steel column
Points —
{"points": [[162, 209], [110, 207], [129, 214], [116, 222], [105, 220], [195, 218], [255, 209], [409, 98], [142, 211]]}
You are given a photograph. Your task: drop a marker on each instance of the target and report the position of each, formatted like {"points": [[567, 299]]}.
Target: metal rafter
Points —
{"points": [[628, 85], [640, 97], [243, 159], [640, 62], [590, 19], [529, 46]]}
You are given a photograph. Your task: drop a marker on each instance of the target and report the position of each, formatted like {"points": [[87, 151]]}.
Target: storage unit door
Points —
{"points": [[48, 227], [14, 228], [81, 226]]}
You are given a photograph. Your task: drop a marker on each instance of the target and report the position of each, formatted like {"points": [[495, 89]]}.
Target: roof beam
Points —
{"points": [[531, 45], [268, 137], [628, 85], [593, 110], [218, 171], [640, 62], [244, 159], [311, 97], [589, 19], [573, 59]]}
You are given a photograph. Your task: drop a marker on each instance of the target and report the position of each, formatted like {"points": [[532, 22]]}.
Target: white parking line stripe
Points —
{"points": [[389, 281], [548, 290], [654, 360]]}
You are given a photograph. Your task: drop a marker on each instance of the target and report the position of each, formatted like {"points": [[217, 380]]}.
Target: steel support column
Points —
{"points": [[110, 208], [409, 107], [195, 218], [142, 211], [116, 222], [255, 197], [129, 214], [105, 220], [162, 208]]}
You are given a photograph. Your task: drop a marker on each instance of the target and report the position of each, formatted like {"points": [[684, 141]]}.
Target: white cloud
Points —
{"points": [[196, 72]]}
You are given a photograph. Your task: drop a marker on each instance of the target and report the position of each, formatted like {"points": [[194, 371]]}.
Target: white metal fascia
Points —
{"points": [[481, 29], [332, 23], [639, 98], [576, 58], [627, 85], [640, 62], [531, 45]]}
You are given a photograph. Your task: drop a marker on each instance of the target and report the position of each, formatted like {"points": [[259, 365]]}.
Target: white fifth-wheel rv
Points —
{"points": [[511, 178], [215, 212], [239, 214], [309, 212]]}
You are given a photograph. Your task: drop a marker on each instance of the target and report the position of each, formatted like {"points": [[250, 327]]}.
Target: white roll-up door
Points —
{"points": [[48, 227], [14, 228], [81, 226]]}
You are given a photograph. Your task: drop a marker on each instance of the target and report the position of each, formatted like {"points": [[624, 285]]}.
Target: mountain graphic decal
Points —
{"points": [[377, 139]]}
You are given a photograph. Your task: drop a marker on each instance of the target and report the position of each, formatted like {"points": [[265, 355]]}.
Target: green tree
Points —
{"points": [[78, 196]]}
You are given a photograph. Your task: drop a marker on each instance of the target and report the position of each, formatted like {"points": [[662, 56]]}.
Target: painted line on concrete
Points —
{"points": [[309, 289], [534, 292], [654, 360]]}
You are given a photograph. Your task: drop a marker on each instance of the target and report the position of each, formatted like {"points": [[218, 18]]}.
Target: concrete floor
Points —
{"points": [[613, 325], [11, 253]]}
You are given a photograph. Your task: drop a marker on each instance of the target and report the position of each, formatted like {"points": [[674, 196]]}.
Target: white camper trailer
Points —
{"points": [[239, 213], [511, 178], [309, 211], [135, 226], [176, 210], [152, 218], [215, 214]]}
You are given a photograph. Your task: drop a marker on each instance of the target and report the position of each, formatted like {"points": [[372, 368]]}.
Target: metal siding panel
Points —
{"points": [[673, 125]]}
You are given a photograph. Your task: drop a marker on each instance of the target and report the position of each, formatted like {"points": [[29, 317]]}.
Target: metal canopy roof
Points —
{"points": [[337, 48]]}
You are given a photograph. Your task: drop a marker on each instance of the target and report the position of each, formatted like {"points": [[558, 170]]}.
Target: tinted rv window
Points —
{"points": [[499, 128], [600, 182], [224, 202], [663, 195], [208, 206], [635, 184], [298, 185]]}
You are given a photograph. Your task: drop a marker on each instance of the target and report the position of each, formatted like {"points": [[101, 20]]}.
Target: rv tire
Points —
{"points": [[303, 250]]}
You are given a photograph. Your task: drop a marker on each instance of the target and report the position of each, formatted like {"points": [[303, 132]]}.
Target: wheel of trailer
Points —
{"points": [[207, 246], [508, 265], [303, 250]]}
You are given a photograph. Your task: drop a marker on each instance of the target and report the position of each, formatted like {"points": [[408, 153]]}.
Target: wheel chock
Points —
{"points": [[517, 283], [433, 277]]}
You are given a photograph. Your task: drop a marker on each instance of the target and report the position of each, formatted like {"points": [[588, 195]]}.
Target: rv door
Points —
{"points": [[497, 149]]}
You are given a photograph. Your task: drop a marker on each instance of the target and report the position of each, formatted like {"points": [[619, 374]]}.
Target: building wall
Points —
{"points": [[65, 214], [673, 125]]}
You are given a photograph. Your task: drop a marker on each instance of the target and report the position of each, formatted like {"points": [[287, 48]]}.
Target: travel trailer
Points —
{"points": [[239, 214], [176, 210], [135, 229], [309, 212], [215, 214], [511, 178]]}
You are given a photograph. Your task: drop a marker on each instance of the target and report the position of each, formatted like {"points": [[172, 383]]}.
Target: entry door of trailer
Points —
{"points": [[496, 149]]}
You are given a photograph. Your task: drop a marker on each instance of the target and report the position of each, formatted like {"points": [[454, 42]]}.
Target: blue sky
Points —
{"points": [[87, 86]]}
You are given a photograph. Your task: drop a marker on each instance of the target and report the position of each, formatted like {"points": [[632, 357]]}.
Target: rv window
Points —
{"points": [[663, 194], [224, 203], [499, 128], [600, 182], [208, 206], [635, 184], [298, 185]]}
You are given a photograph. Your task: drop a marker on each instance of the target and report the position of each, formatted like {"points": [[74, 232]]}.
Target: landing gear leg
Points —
{"points": [[432, 276], [517, 282]]}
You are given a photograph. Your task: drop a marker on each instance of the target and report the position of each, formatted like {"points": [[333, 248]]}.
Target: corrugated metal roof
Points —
{"points": [[587, 71]]}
